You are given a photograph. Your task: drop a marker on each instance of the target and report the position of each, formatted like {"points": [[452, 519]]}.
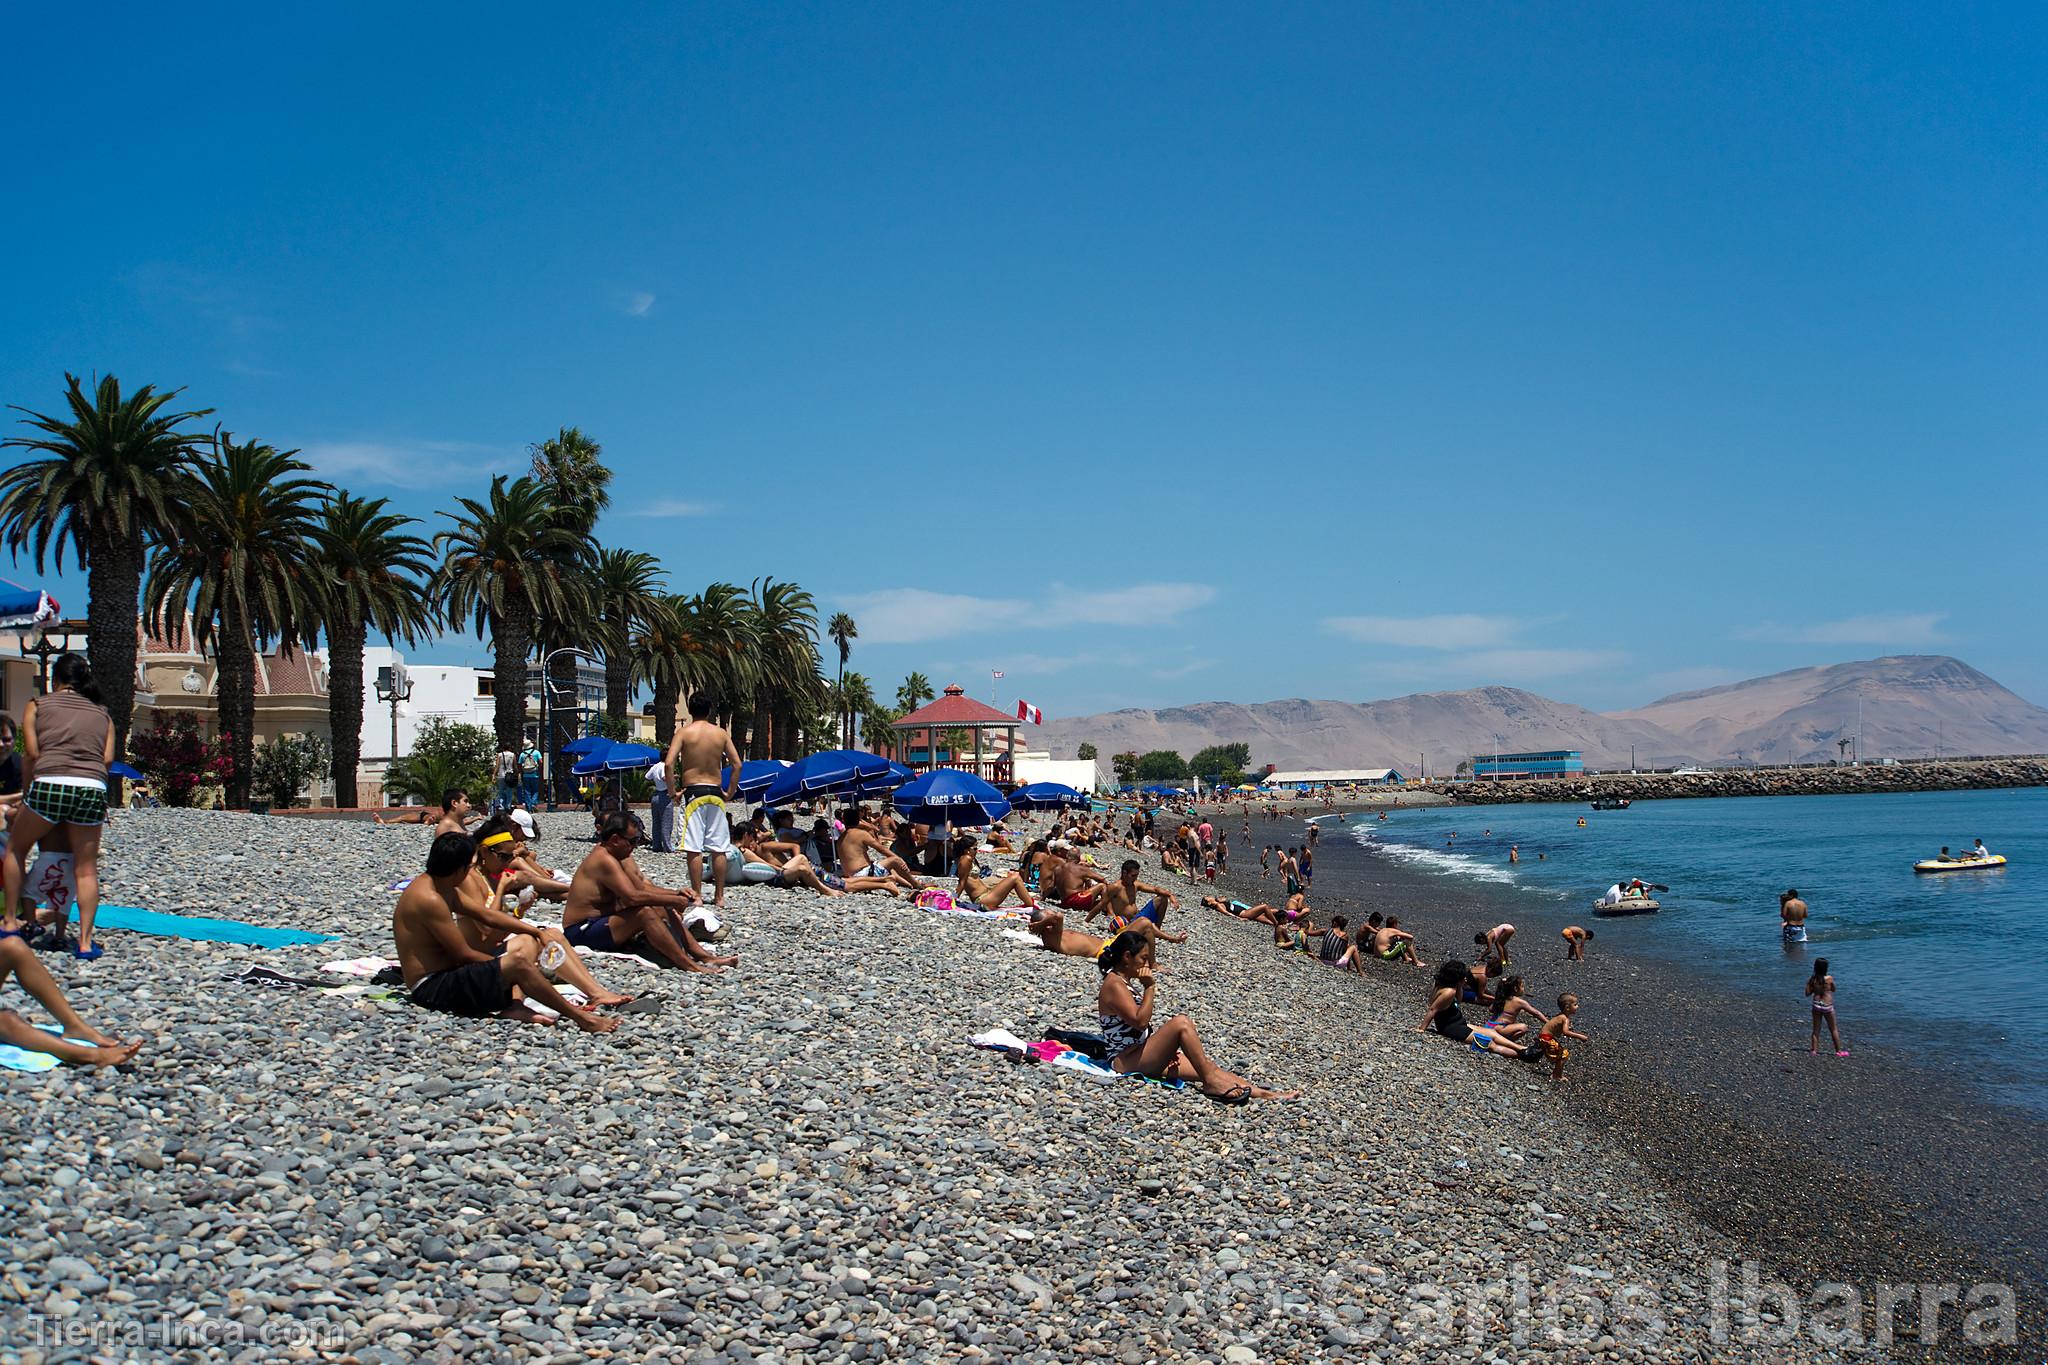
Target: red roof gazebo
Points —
{"points": [[955, 710]]}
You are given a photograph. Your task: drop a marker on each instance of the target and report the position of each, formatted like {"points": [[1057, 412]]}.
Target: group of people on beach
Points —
{"points": [[53, 800]]}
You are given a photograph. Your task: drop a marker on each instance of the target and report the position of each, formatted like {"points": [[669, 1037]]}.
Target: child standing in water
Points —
{"points": [[1821, 987]]}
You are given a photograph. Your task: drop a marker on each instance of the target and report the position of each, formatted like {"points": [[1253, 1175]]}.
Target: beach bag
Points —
{"points": [[933, 899]]}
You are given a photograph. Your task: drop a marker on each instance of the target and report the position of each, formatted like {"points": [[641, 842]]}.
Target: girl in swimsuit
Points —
{"points": [[1508, 1007], [1172, 1050], [987, 895], [1445, 1017], [1821, 987]]}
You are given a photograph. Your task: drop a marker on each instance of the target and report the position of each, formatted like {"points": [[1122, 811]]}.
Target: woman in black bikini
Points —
{"points": [[1172, 1050], [1447, 1017]]}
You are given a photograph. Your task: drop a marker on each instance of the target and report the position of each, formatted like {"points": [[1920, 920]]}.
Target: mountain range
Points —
{"points": [[1907, 706]]}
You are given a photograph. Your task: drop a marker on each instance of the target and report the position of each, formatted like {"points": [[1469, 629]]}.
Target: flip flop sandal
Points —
{"points": [[640, 1005], [92, 954], [1238, 1094]]}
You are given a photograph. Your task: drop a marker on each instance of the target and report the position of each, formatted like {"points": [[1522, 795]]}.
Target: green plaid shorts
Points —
{"points": [[67, 803]]}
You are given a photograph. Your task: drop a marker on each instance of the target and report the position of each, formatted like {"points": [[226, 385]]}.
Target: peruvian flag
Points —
{"points": [[1026, 711]]}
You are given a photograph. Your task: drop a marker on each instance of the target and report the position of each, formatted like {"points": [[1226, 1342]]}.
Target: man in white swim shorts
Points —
{"points": [[695, 756]]}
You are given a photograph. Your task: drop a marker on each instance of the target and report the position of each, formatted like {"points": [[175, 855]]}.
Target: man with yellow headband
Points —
{"points": [[695, 756], [489, 913]]}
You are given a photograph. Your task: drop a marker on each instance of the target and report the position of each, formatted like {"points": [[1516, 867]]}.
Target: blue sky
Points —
{"points": [[1151, 355]]}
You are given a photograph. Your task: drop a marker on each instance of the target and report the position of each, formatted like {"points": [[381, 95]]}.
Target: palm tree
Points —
{"points": [[106, 488], [570, 467], [662, 658], [786, 620], [856, 700], [722, 632], [915, 691], [371, 575], [626, 586], [843, 632], [245, 564], [503, 566]]}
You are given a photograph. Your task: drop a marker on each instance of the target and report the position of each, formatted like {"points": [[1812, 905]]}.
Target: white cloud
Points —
{"points": [[1023, 666], [1183, 670], [898, 616], [407, 464], [1141, 605], [905, 616], [672, 507], [1425, 632], [639, 304], [1913, 628]]}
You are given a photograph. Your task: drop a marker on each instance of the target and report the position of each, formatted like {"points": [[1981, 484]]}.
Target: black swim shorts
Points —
{"points": [[476, 990], [594, 933]]}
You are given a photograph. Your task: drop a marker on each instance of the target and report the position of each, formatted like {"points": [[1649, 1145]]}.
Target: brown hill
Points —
{"points": [[1912, 706]]}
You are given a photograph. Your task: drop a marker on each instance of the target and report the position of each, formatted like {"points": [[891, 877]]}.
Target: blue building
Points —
{"points": [[1550, 763]]}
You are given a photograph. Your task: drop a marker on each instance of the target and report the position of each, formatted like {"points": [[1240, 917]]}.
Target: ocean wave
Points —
{"points": [[1436, 860]]}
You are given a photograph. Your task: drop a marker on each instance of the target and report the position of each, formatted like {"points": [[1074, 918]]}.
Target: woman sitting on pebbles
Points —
{"points": [[1172, 1050], [1447, 1017], [987, 895]]}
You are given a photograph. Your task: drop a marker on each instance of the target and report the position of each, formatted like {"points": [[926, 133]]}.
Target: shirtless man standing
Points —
{"points": [[443, 972], [1119, 899], [695, 757], [611, 906], [1791, 918]]}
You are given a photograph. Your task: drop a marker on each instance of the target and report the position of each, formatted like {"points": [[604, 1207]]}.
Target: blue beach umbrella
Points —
{"points": [[895, 777], [840, 770], [119, 769], [1047, 796], [946, 796], [756, 775], [589, 744], [624, 758], [22, 607], [594, 756]]}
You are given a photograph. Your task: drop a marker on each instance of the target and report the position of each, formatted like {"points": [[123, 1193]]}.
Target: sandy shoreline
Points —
{"points": [[804, 1159]]}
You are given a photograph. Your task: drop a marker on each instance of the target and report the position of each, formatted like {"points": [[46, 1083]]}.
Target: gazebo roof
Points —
{"points": [[955, 709]]}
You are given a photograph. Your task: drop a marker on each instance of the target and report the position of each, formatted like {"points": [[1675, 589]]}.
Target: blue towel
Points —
{"points": [[200, 929], [24, 1059]]}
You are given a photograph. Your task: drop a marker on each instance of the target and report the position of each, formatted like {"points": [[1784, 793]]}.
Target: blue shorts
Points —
{"points": [[1152, 911], [594, 933]]}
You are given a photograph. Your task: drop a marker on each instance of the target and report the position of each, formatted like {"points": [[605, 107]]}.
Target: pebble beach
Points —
{"points": [[802, 1159]]}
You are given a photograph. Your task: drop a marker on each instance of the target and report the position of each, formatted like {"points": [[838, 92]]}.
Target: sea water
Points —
{"points": [[1946, 965]]}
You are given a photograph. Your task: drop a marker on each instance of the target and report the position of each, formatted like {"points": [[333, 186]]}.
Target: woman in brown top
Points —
{"points": [[70, 741]]}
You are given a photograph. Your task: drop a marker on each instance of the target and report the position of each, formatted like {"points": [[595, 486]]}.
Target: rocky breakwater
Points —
{"points": [[1842, 781]]}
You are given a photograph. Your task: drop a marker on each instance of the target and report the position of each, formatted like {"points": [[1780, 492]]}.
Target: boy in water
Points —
{"points": [[1555, 1030], [1821, 987], [1575, 941]]}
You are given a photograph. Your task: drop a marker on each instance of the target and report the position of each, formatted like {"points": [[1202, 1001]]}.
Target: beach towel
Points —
{"points": [[1018, 936], [26, 1059], [360, 966], [199, 929], [999, 1040]]}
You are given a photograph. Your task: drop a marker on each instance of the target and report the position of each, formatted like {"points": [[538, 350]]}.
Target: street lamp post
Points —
{"points": [[394, 685], [547, 691]]}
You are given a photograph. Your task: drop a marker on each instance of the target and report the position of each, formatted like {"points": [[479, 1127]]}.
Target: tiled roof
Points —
{"points": [[954, 708]]}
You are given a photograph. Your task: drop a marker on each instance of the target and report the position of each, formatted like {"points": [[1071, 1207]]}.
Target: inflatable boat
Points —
{"points": [[1627, 905], [1959, 864]]}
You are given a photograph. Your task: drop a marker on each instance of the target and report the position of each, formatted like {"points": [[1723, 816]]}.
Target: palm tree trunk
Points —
{"points": [[764, 727], [562, 699], [235, 694], [666, 695], [345, 637], [113, 583], [511, 638], [618, 683], [845, 711]]}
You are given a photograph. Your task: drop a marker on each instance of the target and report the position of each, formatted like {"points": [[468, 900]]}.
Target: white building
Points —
{"points": [[453, 692], [1079, 773], [1327, 777]]}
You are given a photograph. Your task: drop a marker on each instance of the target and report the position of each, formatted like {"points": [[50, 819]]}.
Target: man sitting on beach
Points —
{"points": [[444, 971], [612, 907], [862, 854], [1119, 900], [1392, 943], [1069, 882], [455, 816]]}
